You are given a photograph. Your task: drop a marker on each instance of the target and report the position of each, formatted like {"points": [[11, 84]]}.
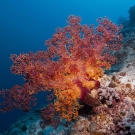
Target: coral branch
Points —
{"points": [[18, 97]]}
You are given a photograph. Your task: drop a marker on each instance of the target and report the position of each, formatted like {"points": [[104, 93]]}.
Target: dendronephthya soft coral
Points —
{"points": [[75, 59]]}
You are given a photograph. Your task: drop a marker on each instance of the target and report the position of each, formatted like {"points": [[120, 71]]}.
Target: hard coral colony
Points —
{"points": [[75, 59]]}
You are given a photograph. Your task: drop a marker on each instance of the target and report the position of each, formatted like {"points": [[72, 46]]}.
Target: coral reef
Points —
{"points": [[83, 99], [30, 125], [74, 61]]}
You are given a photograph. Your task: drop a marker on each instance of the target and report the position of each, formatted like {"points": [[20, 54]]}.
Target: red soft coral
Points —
{"points": [[74, 61]]}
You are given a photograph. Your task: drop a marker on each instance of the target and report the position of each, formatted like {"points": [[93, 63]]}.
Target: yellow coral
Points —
{"points": [[88, 84], [67, 103], [93, 72]]}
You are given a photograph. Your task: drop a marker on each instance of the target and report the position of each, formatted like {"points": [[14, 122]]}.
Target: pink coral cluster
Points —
{"points": [[108, 94], [72, 65]]}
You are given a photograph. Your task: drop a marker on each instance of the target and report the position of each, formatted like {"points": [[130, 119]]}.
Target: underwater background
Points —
{"points": [[26, 24]]}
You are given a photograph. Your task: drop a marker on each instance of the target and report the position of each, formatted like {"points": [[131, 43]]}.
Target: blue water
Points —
{"points": [[25, 24]]}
